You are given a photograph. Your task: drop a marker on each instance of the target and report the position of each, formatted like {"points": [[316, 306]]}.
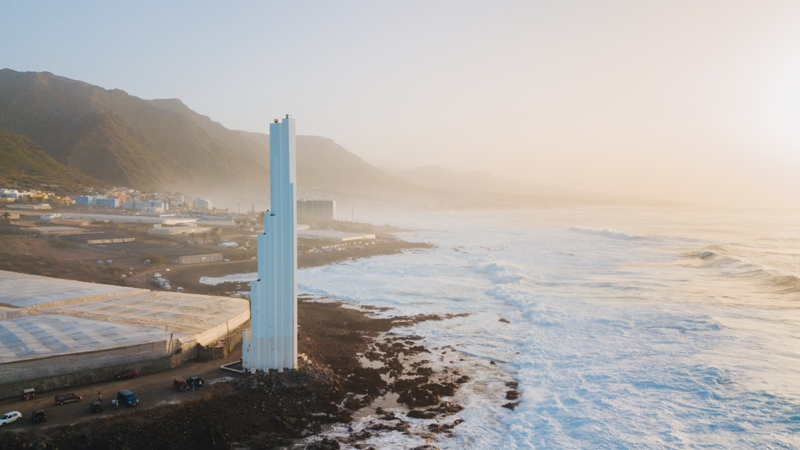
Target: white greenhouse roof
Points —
{"points": [[25, 291], [41, 336], [42, 316]]}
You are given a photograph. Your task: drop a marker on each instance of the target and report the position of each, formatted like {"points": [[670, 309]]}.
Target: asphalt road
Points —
{"points": [[153, 390]]}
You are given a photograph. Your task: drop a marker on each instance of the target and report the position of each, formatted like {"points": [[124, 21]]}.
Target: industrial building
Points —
{"points": [[56, 333], [196, 259], [271, 343], [334, 236], [119, 218], [86, 239], [31, 206], [55, 230], [316, 209], [177, 231]]}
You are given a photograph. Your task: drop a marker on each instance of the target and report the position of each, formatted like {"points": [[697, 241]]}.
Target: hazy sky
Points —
{"points": [[695, 100]]}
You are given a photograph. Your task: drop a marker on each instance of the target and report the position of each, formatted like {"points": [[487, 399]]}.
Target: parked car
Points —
{"points": [[126, 374], [69, 397], [127, 397], [180, 384], [39, 416], [195, 382], [96, 407], [28, 393], [180, 289], [9, 417]]}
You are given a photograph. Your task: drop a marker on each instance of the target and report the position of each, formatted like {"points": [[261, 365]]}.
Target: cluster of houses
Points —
{"points": [[154, 203], [33, 199], [116, 198]]}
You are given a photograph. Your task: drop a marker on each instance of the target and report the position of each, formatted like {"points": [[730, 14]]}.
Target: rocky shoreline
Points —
{"points": [[354, 365], [358, 377]]}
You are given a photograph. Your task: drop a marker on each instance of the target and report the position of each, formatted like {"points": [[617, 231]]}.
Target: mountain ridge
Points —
{"points": [[163, 144], [482, 187]]}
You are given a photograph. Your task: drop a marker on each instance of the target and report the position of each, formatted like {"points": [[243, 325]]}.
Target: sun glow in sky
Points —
{"points": [[677, 100]]}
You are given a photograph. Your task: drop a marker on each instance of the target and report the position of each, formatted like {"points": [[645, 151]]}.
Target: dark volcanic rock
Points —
{"points": [[417, 414], [447, 408], [426, 394], [272, 409], [325, 444], [419, 396], [512, 395]]}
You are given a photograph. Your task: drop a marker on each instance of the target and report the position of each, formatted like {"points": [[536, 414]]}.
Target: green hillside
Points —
{"points": [[25, 165], [119, 138], [164, 145]]}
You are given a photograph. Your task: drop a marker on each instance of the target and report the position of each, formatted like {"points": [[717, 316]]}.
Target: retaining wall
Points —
{"points": [[65, 371]]}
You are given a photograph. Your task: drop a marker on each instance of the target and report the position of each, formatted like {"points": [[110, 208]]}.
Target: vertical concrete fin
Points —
{"points": [[273, 299]]}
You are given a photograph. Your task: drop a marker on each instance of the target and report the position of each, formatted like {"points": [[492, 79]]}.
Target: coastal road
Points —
{"points": [[153, 390]]}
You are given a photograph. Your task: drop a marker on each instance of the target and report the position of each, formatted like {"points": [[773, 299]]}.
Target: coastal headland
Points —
{"points": [[268, 409], [353, 365]]}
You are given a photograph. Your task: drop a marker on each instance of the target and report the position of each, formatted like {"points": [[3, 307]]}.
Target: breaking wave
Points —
{"points": [[605, 232], [501, 273], [770, 279], [706, 254]]}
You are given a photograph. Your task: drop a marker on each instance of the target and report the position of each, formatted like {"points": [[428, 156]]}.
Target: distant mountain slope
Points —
{"points": [[164, 145], [437, 177], [26, 165], [117, 137], [324, 165], [483, 189]]}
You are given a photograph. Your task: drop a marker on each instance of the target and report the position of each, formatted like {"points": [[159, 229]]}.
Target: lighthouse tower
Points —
{"points": [[271, 342]]}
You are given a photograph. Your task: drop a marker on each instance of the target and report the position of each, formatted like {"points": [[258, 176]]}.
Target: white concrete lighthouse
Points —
{"points": [[271, 342]]}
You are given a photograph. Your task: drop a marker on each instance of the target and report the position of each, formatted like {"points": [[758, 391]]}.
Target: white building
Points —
{"points": [[271, 343], [9, 193], [203, 204], [148, 206], [316, 209]]}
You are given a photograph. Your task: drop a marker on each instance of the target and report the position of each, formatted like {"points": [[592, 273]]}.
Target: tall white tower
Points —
{"points": [[271, 342]]}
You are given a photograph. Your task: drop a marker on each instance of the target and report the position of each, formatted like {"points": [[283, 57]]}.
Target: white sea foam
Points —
{"points": [[501, 273], [233, 278], [614, 344]]}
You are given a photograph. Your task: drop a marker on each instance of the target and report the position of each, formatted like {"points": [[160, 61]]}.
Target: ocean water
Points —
{"points": [[628, 328]]}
